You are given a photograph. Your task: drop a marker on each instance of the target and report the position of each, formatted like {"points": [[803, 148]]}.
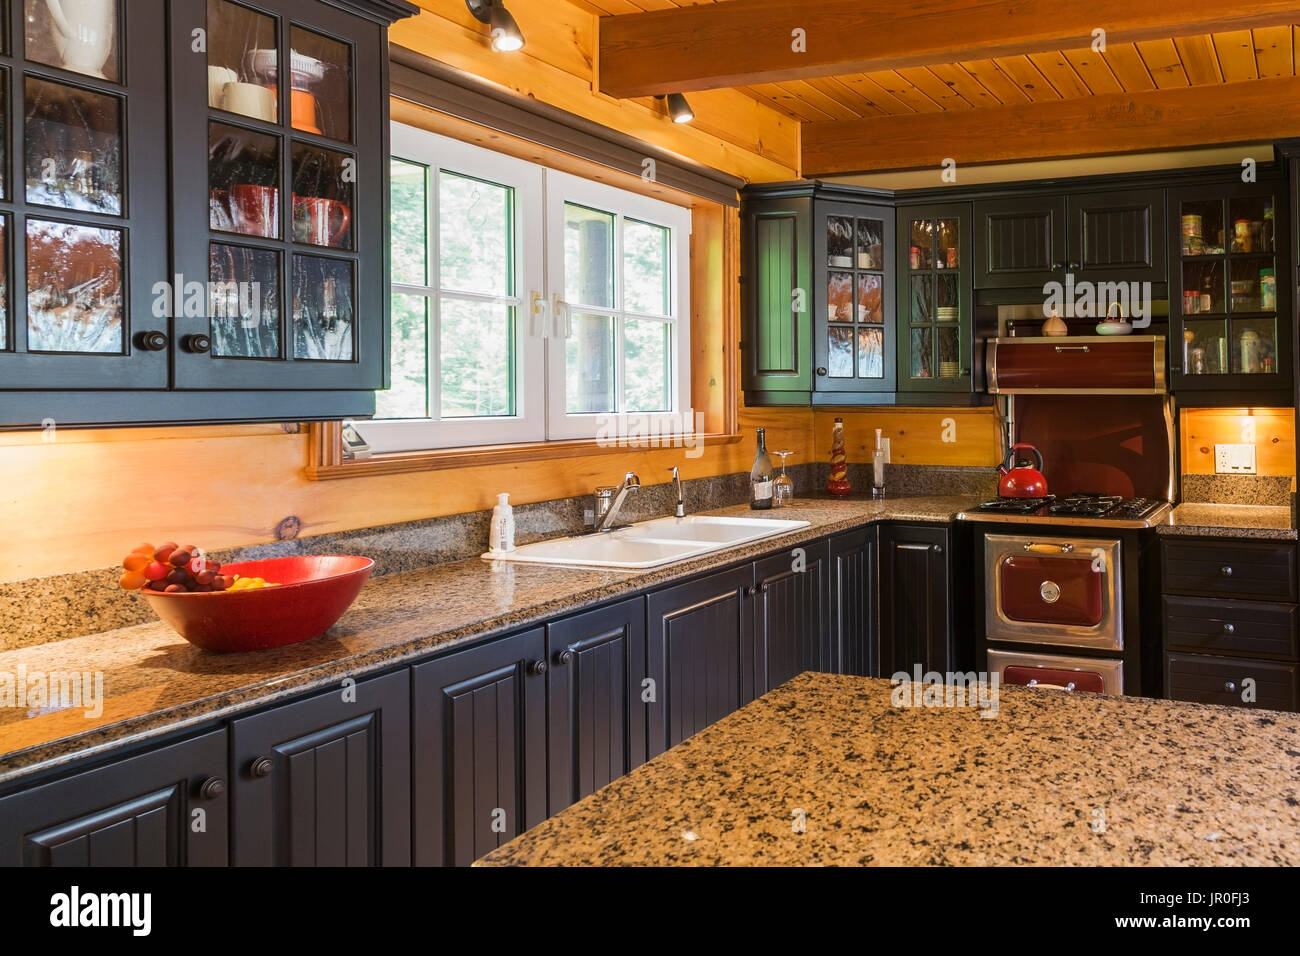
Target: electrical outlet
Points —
{"points": [[1234, 459]]}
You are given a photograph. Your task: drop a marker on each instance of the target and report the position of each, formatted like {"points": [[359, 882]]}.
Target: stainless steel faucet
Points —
{"points": [[610, 500], [677, 483]]}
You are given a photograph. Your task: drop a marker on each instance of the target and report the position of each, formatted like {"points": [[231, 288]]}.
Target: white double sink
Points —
{"points": [[650, 543]]}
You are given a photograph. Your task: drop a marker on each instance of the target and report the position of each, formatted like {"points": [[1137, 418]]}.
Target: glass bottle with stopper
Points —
{"points": [[838, 484]]}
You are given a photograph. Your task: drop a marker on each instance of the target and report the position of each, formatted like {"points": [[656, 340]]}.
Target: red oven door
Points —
{"points": [[1054, 591], [1056, 672]]}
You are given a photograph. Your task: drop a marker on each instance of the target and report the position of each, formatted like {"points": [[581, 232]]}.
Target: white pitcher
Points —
{"points": [[83, 33]]}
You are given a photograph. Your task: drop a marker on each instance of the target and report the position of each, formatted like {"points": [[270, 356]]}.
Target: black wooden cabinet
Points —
{"points": [[699, 654], [479, 724], [1117, 236], [166, 807], [915, 626], [851, 608], [1020, 241], [326, 781], [200, 230], [790, 619], [597, 717], [1230, 311], [935, 341]]}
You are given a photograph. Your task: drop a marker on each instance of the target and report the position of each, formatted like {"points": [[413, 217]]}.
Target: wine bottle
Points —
{"points": [[761, 476]]}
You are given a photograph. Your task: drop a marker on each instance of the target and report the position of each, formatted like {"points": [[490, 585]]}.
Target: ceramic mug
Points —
{"points": [[218, 77], [312, 216], [83, 33], [256, 210], [249, 99]]}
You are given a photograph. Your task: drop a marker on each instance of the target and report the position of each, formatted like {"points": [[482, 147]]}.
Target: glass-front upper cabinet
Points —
{"points": [[281, 218], [852, 333], [1229, 304], [934, 316], [83, 228]]}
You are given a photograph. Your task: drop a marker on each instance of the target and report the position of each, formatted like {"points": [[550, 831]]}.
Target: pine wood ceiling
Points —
{"points": [[1226, 57]]}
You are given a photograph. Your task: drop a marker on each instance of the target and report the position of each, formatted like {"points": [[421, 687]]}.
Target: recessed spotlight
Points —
{"points": [[505, 33], [679, 109]]}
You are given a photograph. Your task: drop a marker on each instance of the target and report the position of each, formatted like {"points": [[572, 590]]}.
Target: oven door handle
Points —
{"points": [[1036, 548], [1067, 688]]}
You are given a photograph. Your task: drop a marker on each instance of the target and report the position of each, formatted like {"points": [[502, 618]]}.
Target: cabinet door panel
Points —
{"points": [[597, 729], [1118, 236], [852, 610], [147, 810], [790, 625], [480, 745], [936, 306], [334, 789], [914, 583], [699, 649], [1019, 243], [776, 363]]}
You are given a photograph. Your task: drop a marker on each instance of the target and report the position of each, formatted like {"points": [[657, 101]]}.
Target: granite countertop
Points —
{"points": [[1230, 521], [155, 683], [1052, 779]]}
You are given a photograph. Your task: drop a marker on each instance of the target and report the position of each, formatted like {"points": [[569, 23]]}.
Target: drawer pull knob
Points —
{"points": [[261, 767], [537, 668], [1226, 571], [1230, 686], [212, 788], [1229, 629]]}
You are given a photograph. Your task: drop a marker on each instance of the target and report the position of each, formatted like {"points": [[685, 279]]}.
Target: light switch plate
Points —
{"points": [[1234, 459]]}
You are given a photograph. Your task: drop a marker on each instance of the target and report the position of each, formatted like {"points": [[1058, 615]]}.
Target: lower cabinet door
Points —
{"points": [[851, 615], [790, 628], [699, 648], [1232, 681], [480, 748], [597, 729], [914, 604], [326, 781], [166, 807]]}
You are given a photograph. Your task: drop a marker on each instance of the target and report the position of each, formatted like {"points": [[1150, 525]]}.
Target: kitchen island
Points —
{"points": [[825, 770]]}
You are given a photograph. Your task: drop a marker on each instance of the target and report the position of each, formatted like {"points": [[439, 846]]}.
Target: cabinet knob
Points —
{"points": [[1074, 266], [152, 341], [937, 548], [261, 767], [563, 657], [1058, 266], [198, 344], [537, 668], [821, 369], [1226, 571], [1228, 629], [211, 788], [1230, 686]]}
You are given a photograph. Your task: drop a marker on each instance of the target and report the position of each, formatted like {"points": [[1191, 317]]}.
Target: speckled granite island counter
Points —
{"points": [[1052, 779], [1201, 519], [154, 683]]}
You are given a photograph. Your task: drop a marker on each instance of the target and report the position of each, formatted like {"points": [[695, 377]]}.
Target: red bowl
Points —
{"points": [[313, 594]]}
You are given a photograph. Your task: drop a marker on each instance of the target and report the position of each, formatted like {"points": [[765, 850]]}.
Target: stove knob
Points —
{"points": [[1226, 571]]}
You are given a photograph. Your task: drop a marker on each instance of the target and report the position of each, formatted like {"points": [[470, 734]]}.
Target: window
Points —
{"points": [[527, 304]]}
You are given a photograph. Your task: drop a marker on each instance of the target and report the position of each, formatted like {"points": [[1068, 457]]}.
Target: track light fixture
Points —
{"points": [[679, 109], [506, 35]]}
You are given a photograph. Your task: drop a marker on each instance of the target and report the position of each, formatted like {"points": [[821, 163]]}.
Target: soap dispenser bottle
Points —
{"points": [[501, 537]]}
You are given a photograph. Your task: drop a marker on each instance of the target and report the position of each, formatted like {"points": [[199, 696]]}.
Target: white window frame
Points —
{"points": [[562, 188], [541, 326], [438, 154]]}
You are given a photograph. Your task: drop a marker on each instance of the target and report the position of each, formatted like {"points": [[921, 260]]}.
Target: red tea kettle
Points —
{"points": [[1018, 479]]}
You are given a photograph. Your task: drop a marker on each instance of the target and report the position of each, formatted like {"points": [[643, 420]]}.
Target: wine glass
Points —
{"points": [[783, 487]]}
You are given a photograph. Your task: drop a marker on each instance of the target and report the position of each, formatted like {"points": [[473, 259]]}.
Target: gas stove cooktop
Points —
{"points": [[1081, 508]]}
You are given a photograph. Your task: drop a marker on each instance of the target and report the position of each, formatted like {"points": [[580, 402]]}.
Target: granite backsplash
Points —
{"points": [[40, 610], [1272, 490]]}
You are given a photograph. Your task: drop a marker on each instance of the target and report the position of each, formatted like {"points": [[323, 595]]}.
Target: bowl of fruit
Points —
{"points": [[246, 605]]}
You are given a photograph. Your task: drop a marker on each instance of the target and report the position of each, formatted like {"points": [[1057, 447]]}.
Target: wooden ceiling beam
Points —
{"points": [[1171, 118], [752, 42]]}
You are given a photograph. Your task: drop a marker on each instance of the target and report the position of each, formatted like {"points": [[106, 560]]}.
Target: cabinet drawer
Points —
{"points": [[1237, 569], [1248, 628], [1220, 680]]}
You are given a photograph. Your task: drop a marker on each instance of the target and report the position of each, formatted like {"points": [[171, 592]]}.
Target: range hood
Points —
{"points": [[1076, 365]]}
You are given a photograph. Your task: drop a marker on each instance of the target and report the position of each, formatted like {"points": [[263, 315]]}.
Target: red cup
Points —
{"points": [[313, 218], [256, 210]]}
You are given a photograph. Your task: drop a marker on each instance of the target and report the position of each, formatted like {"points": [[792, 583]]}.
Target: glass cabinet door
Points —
{"points": [[934, 283], [1225, 295], [293, 182], [82, 221], [854, 295]]}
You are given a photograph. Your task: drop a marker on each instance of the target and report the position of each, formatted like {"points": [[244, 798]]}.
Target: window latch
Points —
{"points": [[563, 314], [537, 324]]}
